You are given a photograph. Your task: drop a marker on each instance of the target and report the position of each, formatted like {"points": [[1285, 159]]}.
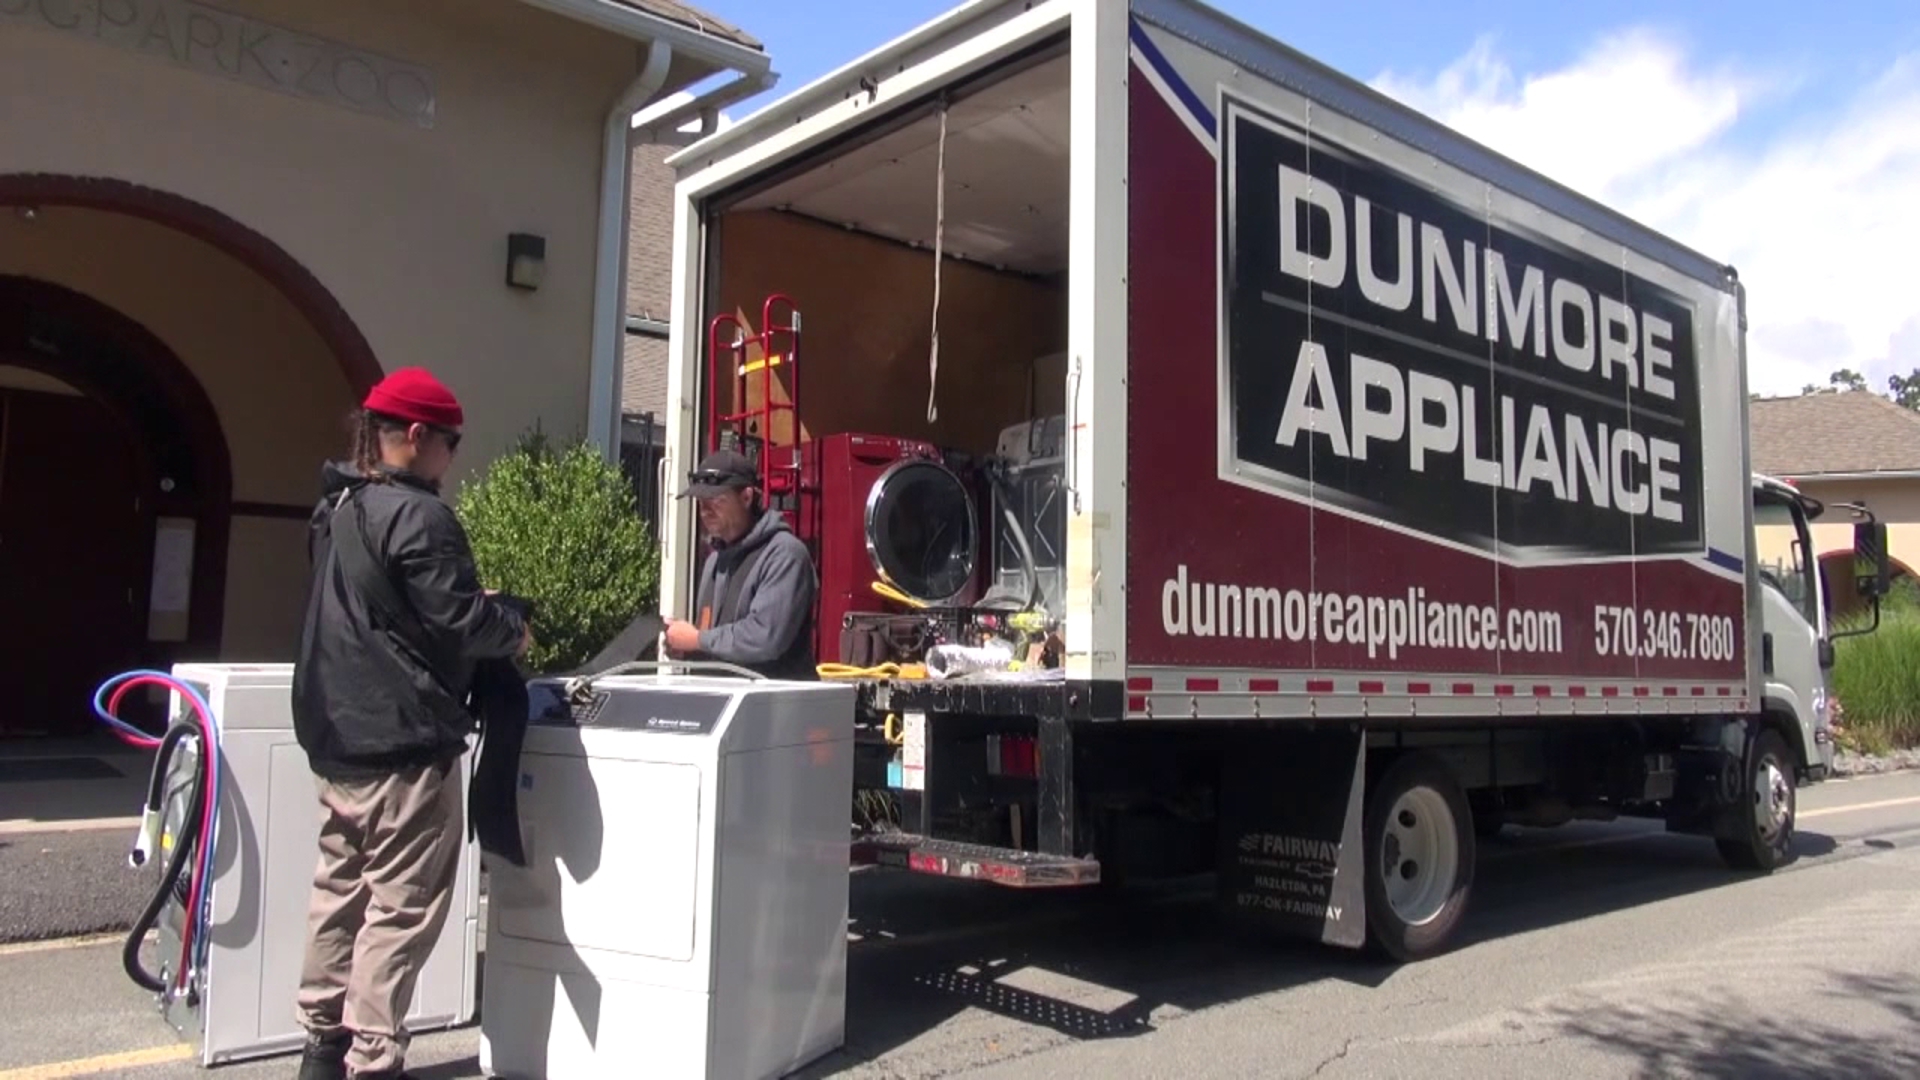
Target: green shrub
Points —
{"points": [[558, 526], [1876, 678], [1902, 599]]}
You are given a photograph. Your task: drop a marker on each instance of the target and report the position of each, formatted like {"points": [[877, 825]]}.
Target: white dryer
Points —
{"points": [[683, 912]]}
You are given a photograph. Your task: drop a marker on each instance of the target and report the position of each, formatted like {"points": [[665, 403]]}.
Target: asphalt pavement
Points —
{"points": [[1593, 951], [63, 884]]}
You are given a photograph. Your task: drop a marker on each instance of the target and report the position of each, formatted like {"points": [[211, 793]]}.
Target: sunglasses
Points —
{"points": [[719, 478], [452, 437]]}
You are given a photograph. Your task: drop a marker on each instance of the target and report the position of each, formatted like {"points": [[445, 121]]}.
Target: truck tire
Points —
{"points": [[1420, 849], [1767, 810]]}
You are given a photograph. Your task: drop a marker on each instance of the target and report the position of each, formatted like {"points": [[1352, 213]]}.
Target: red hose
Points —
{"points": [[204, 857]]}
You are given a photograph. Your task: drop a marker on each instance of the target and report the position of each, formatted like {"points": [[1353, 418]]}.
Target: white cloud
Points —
{"points": [[1818, 216]]}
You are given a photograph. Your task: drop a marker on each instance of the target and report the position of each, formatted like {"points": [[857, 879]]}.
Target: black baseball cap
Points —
{"points": [[720, 472]]}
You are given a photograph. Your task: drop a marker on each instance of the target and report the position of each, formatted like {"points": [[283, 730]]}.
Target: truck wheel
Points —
{"points": [[1767, 809], [1420, 851]]}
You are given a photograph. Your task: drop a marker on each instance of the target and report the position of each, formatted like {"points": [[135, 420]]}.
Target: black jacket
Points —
{"points": [[371, 697], [755, 599]]}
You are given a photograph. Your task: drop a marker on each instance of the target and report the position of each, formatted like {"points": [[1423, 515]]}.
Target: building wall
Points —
{"points": [[1895, 502], [649, 279], [404, 223]]}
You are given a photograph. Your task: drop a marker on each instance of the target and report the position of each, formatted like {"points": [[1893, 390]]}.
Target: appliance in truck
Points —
{"points": [[1342, 492]]}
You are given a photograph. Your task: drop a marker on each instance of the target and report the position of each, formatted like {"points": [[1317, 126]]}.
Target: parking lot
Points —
{"points": [[1593, 951]]}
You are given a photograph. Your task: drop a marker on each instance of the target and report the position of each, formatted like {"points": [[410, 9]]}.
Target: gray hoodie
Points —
{"points": [[768, 626]]}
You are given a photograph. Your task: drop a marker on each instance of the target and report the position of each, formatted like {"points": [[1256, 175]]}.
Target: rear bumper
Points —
{"points": [[1000, 866]]}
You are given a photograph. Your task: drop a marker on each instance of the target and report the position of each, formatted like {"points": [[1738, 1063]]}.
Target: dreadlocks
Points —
{"points": [[368, 427]]}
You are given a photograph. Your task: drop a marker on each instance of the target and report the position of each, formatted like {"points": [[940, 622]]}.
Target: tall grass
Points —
{"points": [[1877, 676]]}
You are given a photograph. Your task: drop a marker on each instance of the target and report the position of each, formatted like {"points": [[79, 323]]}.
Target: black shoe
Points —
{"points": [[325, 1057]]}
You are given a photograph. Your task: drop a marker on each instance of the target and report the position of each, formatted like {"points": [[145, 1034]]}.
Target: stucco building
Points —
{"points": [[219, 225], [1842, 447]]}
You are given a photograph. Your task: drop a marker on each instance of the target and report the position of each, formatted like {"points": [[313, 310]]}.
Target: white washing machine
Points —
{"points": [[683, 912], [265, 850]]}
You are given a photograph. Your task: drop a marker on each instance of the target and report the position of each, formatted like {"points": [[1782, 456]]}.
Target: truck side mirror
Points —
{"points": [[1872, 564]]}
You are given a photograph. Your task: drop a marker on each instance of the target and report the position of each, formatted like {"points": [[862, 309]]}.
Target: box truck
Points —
{"points": [[1214, 466]]}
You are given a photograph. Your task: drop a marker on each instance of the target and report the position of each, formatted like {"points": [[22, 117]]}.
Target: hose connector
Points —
{"points": [[143, 843]]}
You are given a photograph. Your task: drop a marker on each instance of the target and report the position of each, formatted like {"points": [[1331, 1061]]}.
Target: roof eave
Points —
{"points": [[836, 85], [1870, 474], [631, 22]]}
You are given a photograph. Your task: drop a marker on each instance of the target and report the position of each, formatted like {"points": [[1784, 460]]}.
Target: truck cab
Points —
{"points": [[1795, 653], [1797, 643]]}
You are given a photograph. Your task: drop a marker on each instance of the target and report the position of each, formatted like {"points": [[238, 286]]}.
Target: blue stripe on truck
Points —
{"points": [[1721, 558], [1161, 67]]}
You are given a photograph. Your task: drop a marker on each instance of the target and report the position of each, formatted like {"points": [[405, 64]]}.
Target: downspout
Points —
{"points": [[610, 257]]}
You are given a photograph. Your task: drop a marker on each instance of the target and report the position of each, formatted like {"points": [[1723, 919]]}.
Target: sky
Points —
{"points": [[1781, 137]]}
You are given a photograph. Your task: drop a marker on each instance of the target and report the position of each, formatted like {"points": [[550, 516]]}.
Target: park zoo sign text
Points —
{"points": [[222, 43], [1395, 351]]}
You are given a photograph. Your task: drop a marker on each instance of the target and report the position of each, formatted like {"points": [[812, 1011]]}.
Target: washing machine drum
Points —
{"points": [[921, 530]]}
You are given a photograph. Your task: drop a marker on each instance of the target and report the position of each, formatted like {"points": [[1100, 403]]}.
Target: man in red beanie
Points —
{"points": [[395, 621]]}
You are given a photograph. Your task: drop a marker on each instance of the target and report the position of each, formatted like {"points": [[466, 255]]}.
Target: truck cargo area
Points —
{"points": [[911, 429], [909, 354]]}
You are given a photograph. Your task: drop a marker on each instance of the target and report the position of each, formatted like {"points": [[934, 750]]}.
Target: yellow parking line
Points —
{"points": [[1851, 807], [91, 1066], [57, 944]]}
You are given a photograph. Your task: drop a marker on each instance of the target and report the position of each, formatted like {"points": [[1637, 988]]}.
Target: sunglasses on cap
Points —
{"points": [[718, 478]]}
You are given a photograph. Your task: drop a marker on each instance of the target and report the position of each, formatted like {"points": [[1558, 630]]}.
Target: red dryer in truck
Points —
{"points": [[878, 508]]}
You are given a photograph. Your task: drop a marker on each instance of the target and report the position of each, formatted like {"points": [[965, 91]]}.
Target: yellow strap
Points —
{"points": [[883, 671], [891, 593]]}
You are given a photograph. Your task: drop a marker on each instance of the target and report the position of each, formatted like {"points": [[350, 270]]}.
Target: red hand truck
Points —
{"points": [[726, 338]]}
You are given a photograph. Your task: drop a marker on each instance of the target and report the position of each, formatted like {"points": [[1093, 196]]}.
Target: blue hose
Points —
{"points": [[199, 920]]}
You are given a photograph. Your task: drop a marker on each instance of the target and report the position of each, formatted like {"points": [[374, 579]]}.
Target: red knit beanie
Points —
{"points": [[414, 395]]}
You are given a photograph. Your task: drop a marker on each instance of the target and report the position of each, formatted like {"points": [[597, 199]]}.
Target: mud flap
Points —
{"points": [[1291, 851], [1731, 778]]}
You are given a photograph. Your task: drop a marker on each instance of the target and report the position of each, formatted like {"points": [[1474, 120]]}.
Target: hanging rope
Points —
{"points": [[939, 239]]}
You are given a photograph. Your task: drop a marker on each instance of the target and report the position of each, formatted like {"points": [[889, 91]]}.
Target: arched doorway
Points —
{"points": [[217, 371], [115, 484], [29, 191]]}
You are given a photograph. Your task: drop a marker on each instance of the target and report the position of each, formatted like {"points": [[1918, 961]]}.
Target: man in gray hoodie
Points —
{"points": [[754, 605]]}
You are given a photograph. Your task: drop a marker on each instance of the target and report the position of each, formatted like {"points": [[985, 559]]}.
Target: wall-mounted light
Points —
{"points": [[526, 260]]}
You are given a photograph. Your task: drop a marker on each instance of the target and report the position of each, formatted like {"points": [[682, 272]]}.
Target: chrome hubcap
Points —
{"points": [[1773, 796], [1419, 856]]}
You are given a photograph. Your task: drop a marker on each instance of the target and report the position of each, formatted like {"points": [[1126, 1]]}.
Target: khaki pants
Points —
{"points": [[389, 849]]}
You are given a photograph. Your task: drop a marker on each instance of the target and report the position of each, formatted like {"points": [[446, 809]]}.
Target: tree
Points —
{"points": [[1844, 379], [1902, 390], [1905, 389], [559, 527]]}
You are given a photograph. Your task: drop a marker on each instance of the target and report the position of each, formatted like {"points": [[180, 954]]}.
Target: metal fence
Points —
{"points": [[640, 455]]}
